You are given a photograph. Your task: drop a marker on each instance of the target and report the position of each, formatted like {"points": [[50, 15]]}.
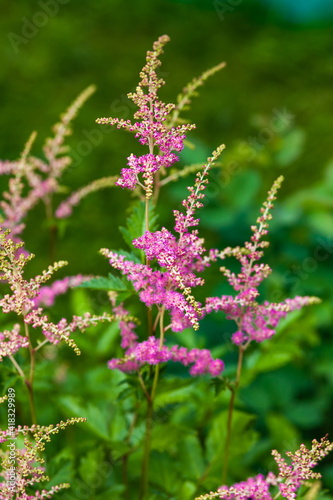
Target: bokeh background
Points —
{"points": [[273, 108]]}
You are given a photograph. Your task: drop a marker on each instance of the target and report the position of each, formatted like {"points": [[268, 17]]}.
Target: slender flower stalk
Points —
{"points": [[234, 389]]}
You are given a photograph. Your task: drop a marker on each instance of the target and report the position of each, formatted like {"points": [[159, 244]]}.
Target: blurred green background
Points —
{"points": [[273, 108]]}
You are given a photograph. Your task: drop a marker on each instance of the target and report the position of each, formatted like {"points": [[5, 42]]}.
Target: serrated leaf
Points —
{"points": [[191, 457], [136, 224], [111, 282], [175, 391], [242, 437], [164, 437], [90, 463], [96, 420], [62, 475]]}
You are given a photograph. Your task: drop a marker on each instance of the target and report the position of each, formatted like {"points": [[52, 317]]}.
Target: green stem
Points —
{"points": [[29, 381], [230, 414], [17, 366], [149, 419], [125, 458], [146, 451]]}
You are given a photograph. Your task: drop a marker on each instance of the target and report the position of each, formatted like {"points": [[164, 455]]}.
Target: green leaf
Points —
{"points": [[80, 301], [292, 147], [164, 477], [282, 432], [136, 224], [166, 436], [242, 439], [173, 391], [96, 419], [107, 339], [111, 282], [90, 464], [62, 475], [187, 491], [191, 457]]}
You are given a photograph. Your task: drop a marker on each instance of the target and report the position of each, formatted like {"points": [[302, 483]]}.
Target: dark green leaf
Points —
{"points": [[111, 282]]}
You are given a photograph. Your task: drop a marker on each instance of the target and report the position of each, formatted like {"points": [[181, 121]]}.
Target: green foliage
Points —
{"points": [[136, 224], [109, 283]]}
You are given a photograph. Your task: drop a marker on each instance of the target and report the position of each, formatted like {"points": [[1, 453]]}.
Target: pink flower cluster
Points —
{"points": [[172, 264], [23, 298], [12, 341], [150, 128], [288, 481], [293, 475], [256, 488], [156, 287], [151, 352], [254, 321]]}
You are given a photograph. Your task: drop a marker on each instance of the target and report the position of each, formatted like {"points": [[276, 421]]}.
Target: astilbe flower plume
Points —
{"points": [[34, 179], [22, 301], [23, 467], [287, 482], [254, 321], [169, 287], [151, 127], [151, 352]]}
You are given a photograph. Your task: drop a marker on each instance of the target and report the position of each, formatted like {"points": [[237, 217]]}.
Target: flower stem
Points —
{"points": [[29, 381], [230, 413], [149, 419], [146, 451], [17, 366]]}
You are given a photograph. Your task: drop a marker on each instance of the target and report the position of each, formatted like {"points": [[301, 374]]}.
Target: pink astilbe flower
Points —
{"points": [[288, 481], [256, 488], [150, 352], [126, 324], [22, 299], [151, 127], [254, 321], [178, 259], [12, 341], [292, 476], [22, 468], [155, 288]]}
